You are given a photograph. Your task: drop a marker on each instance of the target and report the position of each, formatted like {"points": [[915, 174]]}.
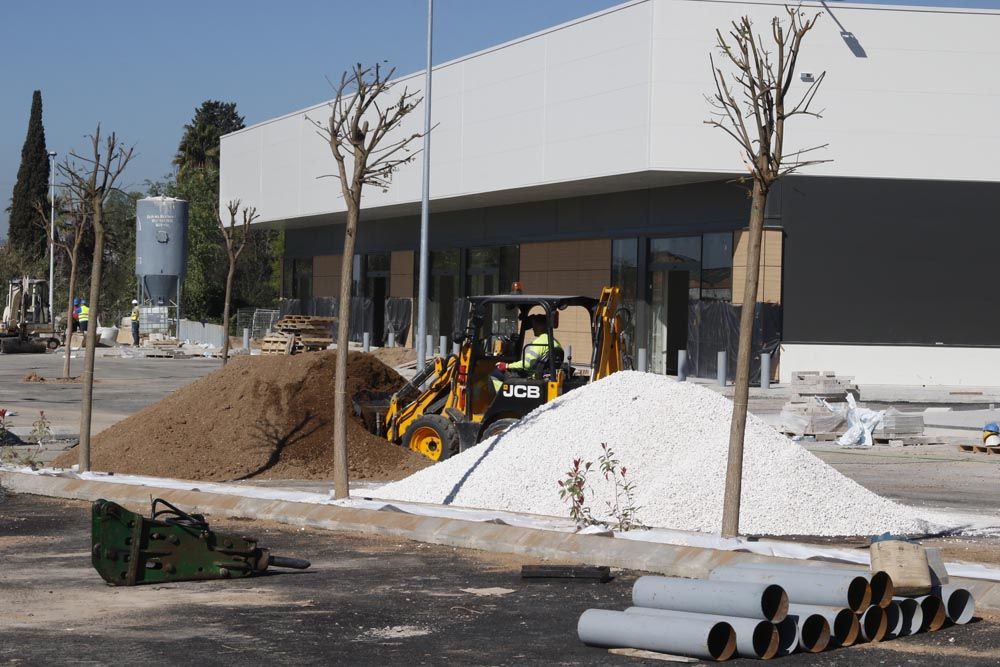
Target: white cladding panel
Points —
{"points": [[623, 91], [910, 100]]}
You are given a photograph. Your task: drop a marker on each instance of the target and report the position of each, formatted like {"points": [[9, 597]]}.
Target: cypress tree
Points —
{"points": [[24, 237]]}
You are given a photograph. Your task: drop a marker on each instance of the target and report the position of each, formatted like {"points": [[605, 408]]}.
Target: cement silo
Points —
{"points": [[160, 253]]}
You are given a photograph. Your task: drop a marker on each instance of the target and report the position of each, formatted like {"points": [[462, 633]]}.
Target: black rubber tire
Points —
{"points": [[497, 427], [52, 343], [446, 432]]}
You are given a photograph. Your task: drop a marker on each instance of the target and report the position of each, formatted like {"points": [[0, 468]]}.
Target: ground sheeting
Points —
{"points": [[673, 439], [259, 417]]}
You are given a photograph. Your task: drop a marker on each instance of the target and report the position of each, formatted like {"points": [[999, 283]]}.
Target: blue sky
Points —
{"points": [[141, 68]]}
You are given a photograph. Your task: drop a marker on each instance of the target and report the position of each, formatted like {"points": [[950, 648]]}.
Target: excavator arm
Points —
{"points": [[411, 403], [608, 333]]}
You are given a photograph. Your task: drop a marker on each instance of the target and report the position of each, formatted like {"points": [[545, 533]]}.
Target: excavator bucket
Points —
{"points": [[17, 345]]}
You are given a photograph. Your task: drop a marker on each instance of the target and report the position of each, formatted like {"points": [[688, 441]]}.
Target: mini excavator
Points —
{"points": [[457, 401]]}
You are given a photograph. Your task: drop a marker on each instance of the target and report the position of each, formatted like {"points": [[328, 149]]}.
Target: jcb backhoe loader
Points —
{"points": [[457, 401]]}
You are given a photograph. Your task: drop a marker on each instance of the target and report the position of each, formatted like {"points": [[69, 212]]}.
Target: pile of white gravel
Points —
{"points": [[673, 438]]}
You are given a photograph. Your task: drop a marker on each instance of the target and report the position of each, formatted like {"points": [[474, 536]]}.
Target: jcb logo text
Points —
{"points": [[522, 391]]}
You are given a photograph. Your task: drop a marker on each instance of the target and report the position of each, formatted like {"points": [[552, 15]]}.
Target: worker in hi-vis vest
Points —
{"points": [[84, 316], [533, 351], [135, 323]]}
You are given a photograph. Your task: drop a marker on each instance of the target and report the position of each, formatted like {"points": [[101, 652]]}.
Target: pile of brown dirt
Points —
{"points": [[395, 356], [267, 417]]}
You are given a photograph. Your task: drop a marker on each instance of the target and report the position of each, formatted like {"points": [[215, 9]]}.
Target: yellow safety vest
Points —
{"points": [[534, 350], [135, 314], [84, 313]]}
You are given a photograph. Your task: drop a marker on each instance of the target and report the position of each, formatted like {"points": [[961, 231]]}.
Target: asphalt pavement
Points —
{"points": [[366, 601]]}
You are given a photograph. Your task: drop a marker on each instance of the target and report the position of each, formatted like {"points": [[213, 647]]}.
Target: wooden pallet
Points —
{"points": [[979, 449], [277, 344], [314, 343]]}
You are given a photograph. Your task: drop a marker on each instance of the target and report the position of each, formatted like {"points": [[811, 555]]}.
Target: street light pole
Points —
{"points": [[52, 238], [421, 341]]}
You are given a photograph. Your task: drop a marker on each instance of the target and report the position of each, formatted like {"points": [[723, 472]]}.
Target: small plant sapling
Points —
{"points": [[574, 488]]}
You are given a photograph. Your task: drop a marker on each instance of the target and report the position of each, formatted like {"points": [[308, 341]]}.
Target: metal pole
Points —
{"points": [[366, 342], [52, 239], [430, 346], [246, 339], [722, 368], [641, 360], [425, 199], [682, 362], [765, 370], [443, 346], [392, 339]]}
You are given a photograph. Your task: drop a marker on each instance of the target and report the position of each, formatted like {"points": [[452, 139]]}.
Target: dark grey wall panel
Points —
{"points": [[891, 261], [679, 209]]}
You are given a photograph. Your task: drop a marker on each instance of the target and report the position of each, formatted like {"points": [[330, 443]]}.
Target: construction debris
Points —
{"points": [[299, 333]]}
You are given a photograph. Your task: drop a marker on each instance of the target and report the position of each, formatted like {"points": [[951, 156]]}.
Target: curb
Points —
{"points": [[671, 560]]}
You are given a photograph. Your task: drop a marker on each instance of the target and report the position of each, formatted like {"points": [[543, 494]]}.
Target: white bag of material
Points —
{"points": [[861, 422]]}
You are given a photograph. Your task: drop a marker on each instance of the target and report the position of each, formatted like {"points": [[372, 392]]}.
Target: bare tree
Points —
{"points": [[234, 248], [751, 105], [91, 179], [71, 225], [362, 131]]}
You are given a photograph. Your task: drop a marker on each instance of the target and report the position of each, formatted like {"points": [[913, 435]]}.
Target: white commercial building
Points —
{"points": [[579, 156]]}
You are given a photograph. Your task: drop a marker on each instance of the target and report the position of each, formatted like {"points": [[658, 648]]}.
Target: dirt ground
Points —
{"points": [[365, 601]]}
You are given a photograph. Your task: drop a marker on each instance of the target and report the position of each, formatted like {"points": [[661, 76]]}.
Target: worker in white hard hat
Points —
{"points": [[135, 323]]}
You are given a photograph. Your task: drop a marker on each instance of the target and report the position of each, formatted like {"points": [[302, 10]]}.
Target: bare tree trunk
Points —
{"points": [[90, 344], [225, 310], [69, 317], [741, 393], [340, 482]]}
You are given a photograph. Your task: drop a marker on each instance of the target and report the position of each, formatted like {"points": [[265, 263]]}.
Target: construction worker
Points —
{"points": [[533, 351], [75, 324], [135, 323], [84, 315]]}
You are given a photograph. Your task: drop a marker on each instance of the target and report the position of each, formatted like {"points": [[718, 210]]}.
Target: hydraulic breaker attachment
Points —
{"points": [[171, 545]]}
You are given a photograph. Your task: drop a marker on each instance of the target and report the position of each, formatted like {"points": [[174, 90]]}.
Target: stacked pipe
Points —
{"points": [[766, 610]]}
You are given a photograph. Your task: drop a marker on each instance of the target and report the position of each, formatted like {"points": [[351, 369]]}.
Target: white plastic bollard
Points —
{"points": [[246, 339], [430, 347], [722, 368], [456, 348], [366, 342], [443, 346], [765, 370], [682, 362], [392, 339], [640, 363]]}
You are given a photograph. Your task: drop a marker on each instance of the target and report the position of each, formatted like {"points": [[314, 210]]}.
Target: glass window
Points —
{"points": [[298, 277], [717, 267], [675, 250], [491, 270], [625, 267], [378, 262]]}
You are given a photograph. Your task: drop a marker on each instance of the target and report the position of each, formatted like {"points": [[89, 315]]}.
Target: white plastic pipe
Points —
{"points": [[893, 620], [788, 635], [883, 589], [912, 616], [804, 586], [959, 604], [844, 625], [811, 633], [932, 608], [712, 639], [755, 638], [724, 598], [874, 624]]}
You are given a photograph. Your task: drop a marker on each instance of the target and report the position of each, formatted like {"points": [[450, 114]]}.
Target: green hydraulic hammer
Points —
{"points": [[171, 545]]}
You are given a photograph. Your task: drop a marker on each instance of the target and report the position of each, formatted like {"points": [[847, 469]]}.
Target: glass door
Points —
{"points": [[674, 282]]}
